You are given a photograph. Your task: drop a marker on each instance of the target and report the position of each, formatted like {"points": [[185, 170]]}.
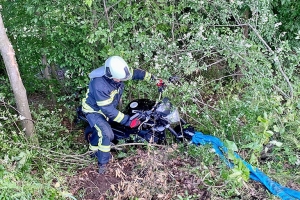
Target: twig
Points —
{"points": [[54, 153], [106, 14], [196, 100], [113, 5], [237, 25], [65, 162], [5, 104], [276, 59], [133, 144], [216, 62], [222, 78], [173, 27]]}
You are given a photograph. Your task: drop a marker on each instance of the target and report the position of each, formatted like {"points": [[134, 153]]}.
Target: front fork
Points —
{"points": [[183, 132]]}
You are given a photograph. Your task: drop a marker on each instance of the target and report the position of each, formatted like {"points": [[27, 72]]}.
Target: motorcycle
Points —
{"points": [[156, 119]]}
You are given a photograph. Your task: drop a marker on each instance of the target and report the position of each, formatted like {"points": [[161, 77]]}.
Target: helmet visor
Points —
{"points": [[126, 70], [127, 74]]}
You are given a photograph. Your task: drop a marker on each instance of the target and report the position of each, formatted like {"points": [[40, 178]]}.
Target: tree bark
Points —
{"points": [[10, 62]]}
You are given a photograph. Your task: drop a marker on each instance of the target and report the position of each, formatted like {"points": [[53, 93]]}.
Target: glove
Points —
{"points": [[161, 85], [134, 123]]}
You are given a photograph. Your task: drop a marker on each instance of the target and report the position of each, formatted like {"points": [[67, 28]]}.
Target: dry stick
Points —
{"points": [[197, 100], [173, 38], [218, 61], [192, 51], [213, 119], [197, 121], [65, 161]]}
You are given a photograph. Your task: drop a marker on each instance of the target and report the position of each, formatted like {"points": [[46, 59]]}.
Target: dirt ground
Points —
{"points": [[154, 174], [148, 175], [144, 176]]}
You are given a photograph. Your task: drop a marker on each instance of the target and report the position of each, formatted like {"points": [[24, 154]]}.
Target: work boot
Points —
{"points": [[102, 168]]}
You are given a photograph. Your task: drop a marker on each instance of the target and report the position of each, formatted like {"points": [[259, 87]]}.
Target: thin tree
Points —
{"points": [[10, 62]]}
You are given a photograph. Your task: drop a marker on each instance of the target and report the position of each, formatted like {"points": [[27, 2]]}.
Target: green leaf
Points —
{"points": [[88, 2], [231, 145], [276, 143]]}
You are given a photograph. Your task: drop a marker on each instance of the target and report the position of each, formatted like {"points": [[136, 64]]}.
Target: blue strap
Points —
{"points": [[255, 174]]}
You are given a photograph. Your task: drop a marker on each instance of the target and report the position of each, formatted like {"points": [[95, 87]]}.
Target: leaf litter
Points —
{"points": [[152, 174]]}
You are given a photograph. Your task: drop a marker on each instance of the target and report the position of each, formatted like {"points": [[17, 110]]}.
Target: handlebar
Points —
{"points": [[146, 115]]}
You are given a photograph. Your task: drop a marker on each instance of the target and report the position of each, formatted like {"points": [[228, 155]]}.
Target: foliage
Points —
{"points": [[225, 53], [17, 183], [287, 12], [26, 171]]}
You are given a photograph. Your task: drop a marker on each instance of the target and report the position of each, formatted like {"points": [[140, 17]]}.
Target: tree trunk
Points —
{"points": [[47, 76], [10, 62]]}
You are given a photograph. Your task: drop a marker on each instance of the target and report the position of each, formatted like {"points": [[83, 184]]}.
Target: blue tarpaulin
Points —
{"points": [[255, 174]]}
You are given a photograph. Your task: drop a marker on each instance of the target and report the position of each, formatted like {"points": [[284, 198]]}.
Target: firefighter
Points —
{"points": [[100, 104]]}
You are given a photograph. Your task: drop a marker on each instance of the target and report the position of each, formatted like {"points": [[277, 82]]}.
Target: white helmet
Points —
{"points": [[116, 67]]}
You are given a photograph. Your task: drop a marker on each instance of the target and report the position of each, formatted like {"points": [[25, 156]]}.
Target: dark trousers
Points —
{"points": [[101, 137]]}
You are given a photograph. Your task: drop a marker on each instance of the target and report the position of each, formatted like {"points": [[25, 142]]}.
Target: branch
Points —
{"points": [[106, 14], [197, 100], [215, 62], [276, 87], [238, 25], [5, 104], [276, 59], [222, 78], [134, 144], [112, 5]]}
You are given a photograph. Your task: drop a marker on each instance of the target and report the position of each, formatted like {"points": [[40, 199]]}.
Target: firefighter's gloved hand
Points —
{"points": [[134, 123], [161, 85]]}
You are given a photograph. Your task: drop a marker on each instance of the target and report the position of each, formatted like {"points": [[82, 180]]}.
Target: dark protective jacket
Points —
{"points": [[104, 94]]}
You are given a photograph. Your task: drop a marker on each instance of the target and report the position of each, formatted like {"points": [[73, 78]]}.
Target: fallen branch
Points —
{"points": [[137, 144], [276, 59]]}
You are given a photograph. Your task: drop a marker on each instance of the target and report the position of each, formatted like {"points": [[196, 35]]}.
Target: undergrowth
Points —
{"points": [[34, 171], [262, 128]]}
